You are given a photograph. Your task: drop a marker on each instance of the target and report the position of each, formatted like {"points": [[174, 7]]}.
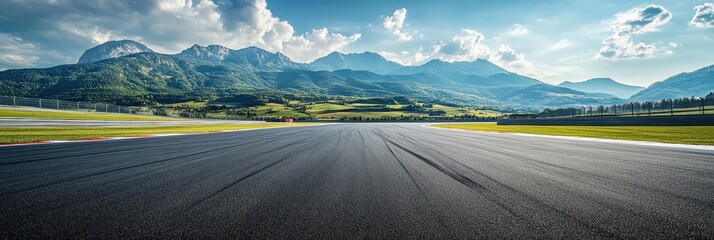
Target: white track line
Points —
{"points": [[602, 140]]}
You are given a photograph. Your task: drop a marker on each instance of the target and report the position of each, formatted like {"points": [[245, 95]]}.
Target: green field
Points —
{"points": [[277, 110], [190, 104], [24, 135], [337, 111], [333, 109], [451, 111], [700, 135], [22, 113]]}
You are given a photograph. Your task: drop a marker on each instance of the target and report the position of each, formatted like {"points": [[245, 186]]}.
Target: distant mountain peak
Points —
{"points": [[255, 56], [368, 53], [335, 53], [602, 80], [603, 85], [368, 61], [211, 52], [549, 95], [112, 49], [213, 46], [454, 70]]}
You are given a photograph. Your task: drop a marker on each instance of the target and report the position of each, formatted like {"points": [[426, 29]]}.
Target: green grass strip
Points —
{"points": [[26, 135], [78, 115], [699, 135]]}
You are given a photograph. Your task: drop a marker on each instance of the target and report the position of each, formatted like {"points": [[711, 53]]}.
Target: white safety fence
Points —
{"points": [[68, 105]]}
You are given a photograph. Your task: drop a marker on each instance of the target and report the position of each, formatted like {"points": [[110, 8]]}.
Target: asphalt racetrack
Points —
{"points": [[355, 181]]}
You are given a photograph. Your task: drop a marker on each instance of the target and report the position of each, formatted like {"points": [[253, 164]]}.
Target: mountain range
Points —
{"points": [[603, 85], [119, 70], [698, 83], [367, 61]]}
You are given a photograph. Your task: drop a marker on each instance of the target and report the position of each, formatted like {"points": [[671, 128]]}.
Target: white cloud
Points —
{"points": [[634, 22], [16, 52], [704, 17], [251, 23], [407, 58], [93, 34], [315, 44], [466, 46], [518, 30], [167, 26], [470, 44], [395, 25], [174, 5]]}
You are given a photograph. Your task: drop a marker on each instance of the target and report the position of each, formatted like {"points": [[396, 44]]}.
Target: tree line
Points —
{"points": [[669, 105]]}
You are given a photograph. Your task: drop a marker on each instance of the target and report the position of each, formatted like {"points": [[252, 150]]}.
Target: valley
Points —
{"points": [[362, 109]]}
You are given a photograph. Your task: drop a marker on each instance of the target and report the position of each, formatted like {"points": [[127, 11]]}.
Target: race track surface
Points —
{"points": [[355, 181]]}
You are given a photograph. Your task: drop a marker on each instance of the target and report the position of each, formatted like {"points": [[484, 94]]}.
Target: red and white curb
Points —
{"points": [[602, 140], [129, 137]]}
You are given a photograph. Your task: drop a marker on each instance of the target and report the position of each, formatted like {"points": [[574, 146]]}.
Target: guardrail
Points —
{"points": [[676, 120], [665, 107], [69, 105]]}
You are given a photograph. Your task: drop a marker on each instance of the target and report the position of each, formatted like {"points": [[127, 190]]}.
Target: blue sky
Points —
{"points": [[634, 42]]}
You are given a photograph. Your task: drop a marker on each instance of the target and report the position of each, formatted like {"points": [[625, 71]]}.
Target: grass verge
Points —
{"points": [[79, 115], [26, 135], [699, 135]]}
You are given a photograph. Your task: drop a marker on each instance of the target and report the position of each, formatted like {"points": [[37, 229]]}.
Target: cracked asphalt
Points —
{"points": [[351, 181]]}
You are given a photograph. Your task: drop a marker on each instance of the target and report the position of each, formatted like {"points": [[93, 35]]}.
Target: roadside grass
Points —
{"points": [[26, 135], [699, 135], [21, 113]]}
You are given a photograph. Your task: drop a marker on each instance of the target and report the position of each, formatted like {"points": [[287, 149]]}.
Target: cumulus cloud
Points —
{"points": [[465, 46], [470, 44], [169, 26], [518, 30], [315, 44], [704, 16], [407, 58], [18, 53], [395, 25], [637, 21], [94, 34]]}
